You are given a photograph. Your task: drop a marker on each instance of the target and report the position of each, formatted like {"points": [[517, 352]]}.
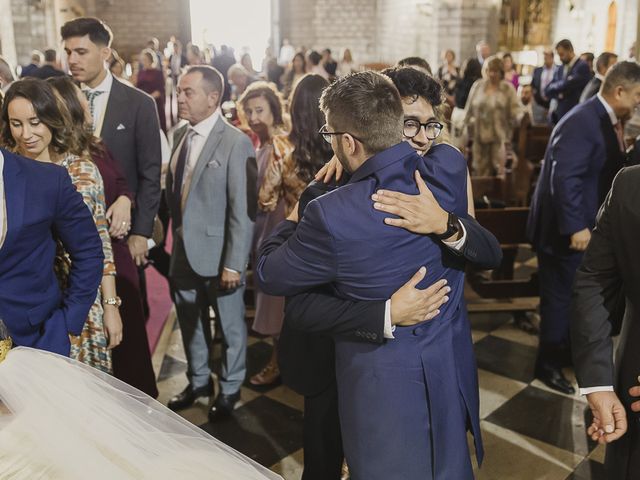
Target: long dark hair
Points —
{"points": [[311, 151], [85, 142], [49, 109]]}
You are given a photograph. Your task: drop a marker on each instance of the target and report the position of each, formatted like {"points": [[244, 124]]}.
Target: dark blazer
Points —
{"points": [[364, 259], [610, 270], [591, 89], [47, 71], [536, 86], [131, 131], [567, 90], [42, 203], [580, 162]]}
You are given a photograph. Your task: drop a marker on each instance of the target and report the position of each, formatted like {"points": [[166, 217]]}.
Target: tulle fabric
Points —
{"points": [[65, 421]]}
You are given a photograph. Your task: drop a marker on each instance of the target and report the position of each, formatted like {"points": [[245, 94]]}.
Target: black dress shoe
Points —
{"points": [[222, 408], [553, 378], [188, 396]]}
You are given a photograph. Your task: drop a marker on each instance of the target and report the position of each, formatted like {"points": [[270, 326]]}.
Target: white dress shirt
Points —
{"points": [[100, 102], [3, 203]]}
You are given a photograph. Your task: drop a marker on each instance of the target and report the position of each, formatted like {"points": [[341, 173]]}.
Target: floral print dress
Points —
{"points": [[90, 347]]}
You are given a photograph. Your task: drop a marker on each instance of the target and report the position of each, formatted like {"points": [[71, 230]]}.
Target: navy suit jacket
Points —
{"points": [[567, 90], [341, 240], [536, 85], [580, 162], [42, 204]]}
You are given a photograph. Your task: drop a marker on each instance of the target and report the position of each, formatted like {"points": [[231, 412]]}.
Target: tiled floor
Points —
{"points": [[529, 431]]}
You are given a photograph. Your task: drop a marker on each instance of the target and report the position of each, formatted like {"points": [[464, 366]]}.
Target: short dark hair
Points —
{"points": [[565, 44], [49, 109], [413, 84], [211, 77], [314, 57], [415, 62], [50, 55], [625, 74], [367, 105], [604, 59], [98, 31], [270, 93]]}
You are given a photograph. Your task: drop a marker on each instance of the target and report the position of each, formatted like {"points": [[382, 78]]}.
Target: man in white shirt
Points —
{"points": [[211, 192]]}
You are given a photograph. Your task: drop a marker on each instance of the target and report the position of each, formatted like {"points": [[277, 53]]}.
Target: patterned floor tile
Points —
{"points": [[263, 429], [511, 456], [548, 417], [171, 367], [489, 321], [510, 332], [506, 358], [290, 467], [495, 391], [589, 470]]}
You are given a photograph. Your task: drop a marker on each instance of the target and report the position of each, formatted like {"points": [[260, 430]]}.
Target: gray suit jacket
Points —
{"points": [[131, 132], [220, 209], [605, 282]]}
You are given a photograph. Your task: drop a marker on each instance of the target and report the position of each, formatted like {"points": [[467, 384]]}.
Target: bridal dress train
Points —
{"points": [[62, 420]]}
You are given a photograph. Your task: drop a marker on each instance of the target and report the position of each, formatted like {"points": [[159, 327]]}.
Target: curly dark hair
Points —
{"points": [[82, 132], [48, 107], [310, 150], [413, 84]]}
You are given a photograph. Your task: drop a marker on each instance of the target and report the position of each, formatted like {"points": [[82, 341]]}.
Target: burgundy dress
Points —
{"points": [[132, 358], [150, 81]]}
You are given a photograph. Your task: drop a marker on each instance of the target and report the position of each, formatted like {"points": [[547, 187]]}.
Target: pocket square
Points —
{"points": [[120, 127], [213, 164]]}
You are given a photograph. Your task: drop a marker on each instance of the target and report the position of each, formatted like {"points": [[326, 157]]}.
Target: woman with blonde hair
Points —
{"points": [[491, 112]]}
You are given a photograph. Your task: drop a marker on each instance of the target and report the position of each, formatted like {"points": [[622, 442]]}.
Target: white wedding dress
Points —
{"points": [[62, 420]]}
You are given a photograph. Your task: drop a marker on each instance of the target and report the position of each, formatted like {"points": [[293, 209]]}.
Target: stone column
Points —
{"points": [[7, 36]]}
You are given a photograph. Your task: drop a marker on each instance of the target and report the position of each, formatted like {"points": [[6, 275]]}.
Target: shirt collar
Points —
{"points": [[105, 85], [573, 61], [599, 76], [607, 107], [205, 126]]}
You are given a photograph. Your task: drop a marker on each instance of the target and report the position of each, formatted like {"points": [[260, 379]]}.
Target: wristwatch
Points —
{"points": [[117, 301], [453, 227]]}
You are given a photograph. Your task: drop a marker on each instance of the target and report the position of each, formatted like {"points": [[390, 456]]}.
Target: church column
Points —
{"points": [[7, 36]]}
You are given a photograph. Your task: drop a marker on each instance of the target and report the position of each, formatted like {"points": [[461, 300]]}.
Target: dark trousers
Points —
{"points": [[322, 439], [556, 274]]}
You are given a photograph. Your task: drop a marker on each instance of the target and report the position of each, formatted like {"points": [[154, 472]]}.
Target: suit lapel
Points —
{"points": [[177, 138], [117, 103], [208, 151], [15, 194]]}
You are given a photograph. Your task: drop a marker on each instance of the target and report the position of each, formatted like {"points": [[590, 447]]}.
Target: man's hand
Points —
{"points": [[112, 325], [418, 213], [229, 280], [580, 240], [635, 392], [609, 417], [410, 305], [119, 217], [138, 249], [333, 168]]}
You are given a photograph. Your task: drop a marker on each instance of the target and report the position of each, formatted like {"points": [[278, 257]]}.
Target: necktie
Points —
{"points": [[91, 97], [176, 189], [620, 134]]}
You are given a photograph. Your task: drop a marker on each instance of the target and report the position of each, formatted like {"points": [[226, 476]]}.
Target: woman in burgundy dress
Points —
{"points": [[151, 81], [132, 358]]}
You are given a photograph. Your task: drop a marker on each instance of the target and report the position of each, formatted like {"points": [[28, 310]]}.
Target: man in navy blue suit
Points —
{"points": [[404, 403], [568, 82], [585, 151], [38, 203]]}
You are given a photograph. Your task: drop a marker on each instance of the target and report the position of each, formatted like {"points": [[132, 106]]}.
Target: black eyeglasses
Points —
{"points": [[412, 128], [327, 135]]}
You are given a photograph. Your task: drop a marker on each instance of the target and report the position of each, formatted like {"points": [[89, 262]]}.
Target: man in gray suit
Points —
{"points": [[606, 282], [211, 192]]}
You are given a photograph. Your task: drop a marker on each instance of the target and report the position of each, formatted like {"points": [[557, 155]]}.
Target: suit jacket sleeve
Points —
{"points": [[576, 80], [241, 189], [76, 229], [307, 259], [481, 248], [148, 166], [596, 296], [570, 156]]}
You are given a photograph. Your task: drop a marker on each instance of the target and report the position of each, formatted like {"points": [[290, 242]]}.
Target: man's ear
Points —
{"points": [[350, 143], [214, 98], [105, 53]]}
